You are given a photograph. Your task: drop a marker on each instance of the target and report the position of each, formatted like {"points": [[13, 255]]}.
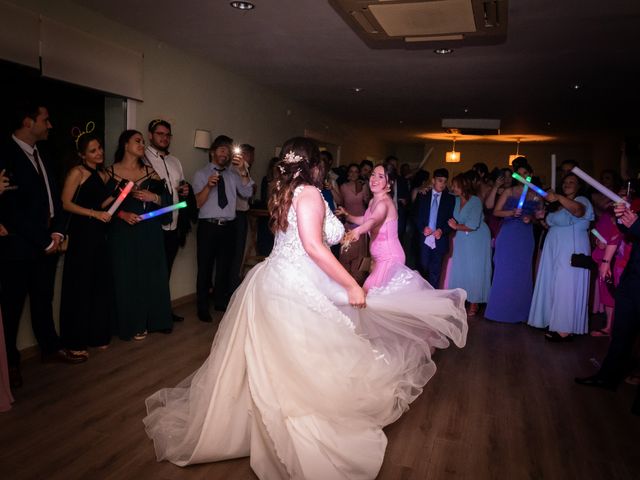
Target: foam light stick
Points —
{"points": [[553, 171], [533, 187], [123, 194], [598, 186], [598, 235], [162, 211], [523, 196]]}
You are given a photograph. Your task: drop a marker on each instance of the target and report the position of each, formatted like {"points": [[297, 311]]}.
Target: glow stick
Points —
{"points": [[533, 187], [123, 194], [524, 194], [553, 171], [598, 186], [161, 211], [597, 234]]}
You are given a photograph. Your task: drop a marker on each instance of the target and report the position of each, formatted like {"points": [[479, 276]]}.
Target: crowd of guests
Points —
{"points": [[518, 254]]}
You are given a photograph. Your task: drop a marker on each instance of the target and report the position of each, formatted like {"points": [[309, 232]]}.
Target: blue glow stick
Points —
{"points": [[598, 235], [533, 187], [161, 211], [524, 195]]}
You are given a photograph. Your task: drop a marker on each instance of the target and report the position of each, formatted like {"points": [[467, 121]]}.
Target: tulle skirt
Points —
{"points": [[301, 381]]}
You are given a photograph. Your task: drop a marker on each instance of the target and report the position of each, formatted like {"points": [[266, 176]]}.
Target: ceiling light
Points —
{"points": [[576, 86], [453, 156], [357, 89], [513, 156], [443, 51], [243, 5]]}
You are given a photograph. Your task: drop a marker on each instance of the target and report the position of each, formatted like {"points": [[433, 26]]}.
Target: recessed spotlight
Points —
{"points": [[443, 51], [357, 89], [243, 5], [466, 109], [401, 122], [576, 86]]}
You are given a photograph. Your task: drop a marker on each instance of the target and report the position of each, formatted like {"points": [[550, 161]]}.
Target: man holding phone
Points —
{"points": [[169, 169], [217, 187]]}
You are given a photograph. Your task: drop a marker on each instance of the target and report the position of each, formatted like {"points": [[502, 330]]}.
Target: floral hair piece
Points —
{"points": [[291, 157], [76, 133]]}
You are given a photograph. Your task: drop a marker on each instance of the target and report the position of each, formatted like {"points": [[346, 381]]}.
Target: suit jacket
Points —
{"points": [[633, 265], [445, 212], [25, 211]]}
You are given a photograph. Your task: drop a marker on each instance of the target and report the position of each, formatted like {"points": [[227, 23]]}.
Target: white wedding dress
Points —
{"points": [[298, 379]]}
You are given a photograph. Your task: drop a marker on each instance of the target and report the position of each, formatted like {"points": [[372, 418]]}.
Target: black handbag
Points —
{"points": [[580, 260]]}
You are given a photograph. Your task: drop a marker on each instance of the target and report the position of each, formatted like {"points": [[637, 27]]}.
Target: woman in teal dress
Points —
{"points": [[141, 280], [471, 261], [561, 291]]}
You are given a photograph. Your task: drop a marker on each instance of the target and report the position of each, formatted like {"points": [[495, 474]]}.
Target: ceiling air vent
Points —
{"points": [[425, 23]]}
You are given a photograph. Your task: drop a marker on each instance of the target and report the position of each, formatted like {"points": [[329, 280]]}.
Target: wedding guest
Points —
{"points": [[484, 184], [141, 279], [85, 306], [169, 169], [471, 261], [434, 209], [512, 287], [217, 187], [501, 180], [366, 167], [34, 228], [561, 289], [6, 398], [265, 239], [611, 180], [355, 196]]}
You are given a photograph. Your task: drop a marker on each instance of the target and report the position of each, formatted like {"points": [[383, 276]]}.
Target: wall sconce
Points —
{"points": [[453, 156], [512, 157], [202, 139]]}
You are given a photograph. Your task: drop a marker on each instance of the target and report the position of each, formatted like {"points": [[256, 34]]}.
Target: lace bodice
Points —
{"points": [[288, 243]]}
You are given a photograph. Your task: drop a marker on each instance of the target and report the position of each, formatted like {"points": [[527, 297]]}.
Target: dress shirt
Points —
{"points": [[38, 165], [233, 188], [169, 169]]}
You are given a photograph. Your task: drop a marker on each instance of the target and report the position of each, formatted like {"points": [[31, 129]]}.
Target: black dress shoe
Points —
{"points": [[64, 356], [596, 381], [177, 318], [556, 337], [15, 377], [205, 317]]}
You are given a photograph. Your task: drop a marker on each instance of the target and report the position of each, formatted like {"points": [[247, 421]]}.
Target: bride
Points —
{"points": [[301, 376]]}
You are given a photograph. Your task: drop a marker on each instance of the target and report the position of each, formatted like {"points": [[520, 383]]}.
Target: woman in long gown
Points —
{"points": [[86, 282], [512, 287], [299, 377], [471, 260], [562, 290], [141, 280]]}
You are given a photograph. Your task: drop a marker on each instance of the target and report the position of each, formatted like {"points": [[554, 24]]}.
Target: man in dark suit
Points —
{"points": [[435, 208], [31, 214], [627, 314]]}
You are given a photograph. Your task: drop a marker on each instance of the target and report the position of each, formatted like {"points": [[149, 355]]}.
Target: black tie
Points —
{"points": [[37, 162], [222, 194]]}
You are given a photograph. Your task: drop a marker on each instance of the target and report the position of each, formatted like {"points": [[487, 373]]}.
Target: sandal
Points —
{"points": [[103, 347], [140, 336], [556, 337], [80, 353], [601, 332]]}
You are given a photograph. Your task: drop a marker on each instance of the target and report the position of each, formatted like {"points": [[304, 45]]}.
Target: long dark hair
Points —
{"points": [[465, 184], [122, 141], [299, 164]]}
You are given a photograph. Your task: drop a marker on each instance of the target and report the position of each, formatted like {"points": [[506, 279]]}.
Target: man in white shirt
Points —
{"points": [[169, 169]]}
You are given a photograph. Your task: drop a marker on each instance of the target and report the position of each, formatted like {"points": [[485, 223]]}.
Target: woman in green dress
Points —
{"points": [[136, 248]]}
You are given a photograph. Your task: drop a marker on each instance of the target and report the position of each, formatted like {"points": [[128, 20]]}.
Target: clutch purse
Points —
{"points": [[580, 260]]}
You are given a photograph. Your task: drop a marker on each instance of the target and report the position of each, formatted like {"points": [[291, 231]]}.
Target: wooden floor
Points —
{"points": [[504, 407]]}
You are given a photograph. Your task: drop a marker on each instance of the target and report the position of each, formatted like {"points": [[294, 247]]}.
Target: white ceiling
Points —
{"points": [[305, 50]]}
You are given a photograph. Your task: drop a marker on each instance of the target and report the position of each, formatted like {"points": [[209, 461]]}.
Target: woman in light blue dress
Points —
{"points": [[561, 291], [471, 261]]}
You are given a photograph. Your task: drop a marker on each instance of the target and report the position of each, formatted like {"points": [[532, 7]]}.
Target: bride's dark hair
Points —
{"points": [[299, 164]]}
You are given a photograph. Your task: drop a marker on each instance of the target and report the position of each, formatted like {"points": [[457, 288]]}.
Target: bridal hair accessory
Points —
{"points": [[292, 158], [76, 133]]}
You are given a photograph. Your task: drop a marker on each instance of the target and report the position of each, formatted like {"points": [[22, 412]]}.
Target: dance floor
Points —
{"points": [[504, 407]]}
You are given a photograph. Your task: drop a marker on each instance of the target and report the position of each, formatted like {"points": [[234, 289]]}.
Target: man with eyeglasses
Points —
{"points": [[169, 169]]}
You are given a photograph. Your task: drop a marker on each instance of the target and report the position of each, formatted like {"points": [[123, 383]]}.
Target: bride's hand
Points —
{"points": [[356, 297], [351, 236]]}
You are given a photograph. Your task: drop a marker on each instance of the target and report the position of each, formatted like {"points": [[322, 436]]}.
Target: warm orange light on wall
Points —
{"points": [[513, 156], [453, 156]]}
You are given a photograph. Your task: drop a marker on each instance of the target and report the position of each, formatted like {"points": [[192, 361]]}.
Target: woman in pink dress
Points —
{"points": [[355, 196]]}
